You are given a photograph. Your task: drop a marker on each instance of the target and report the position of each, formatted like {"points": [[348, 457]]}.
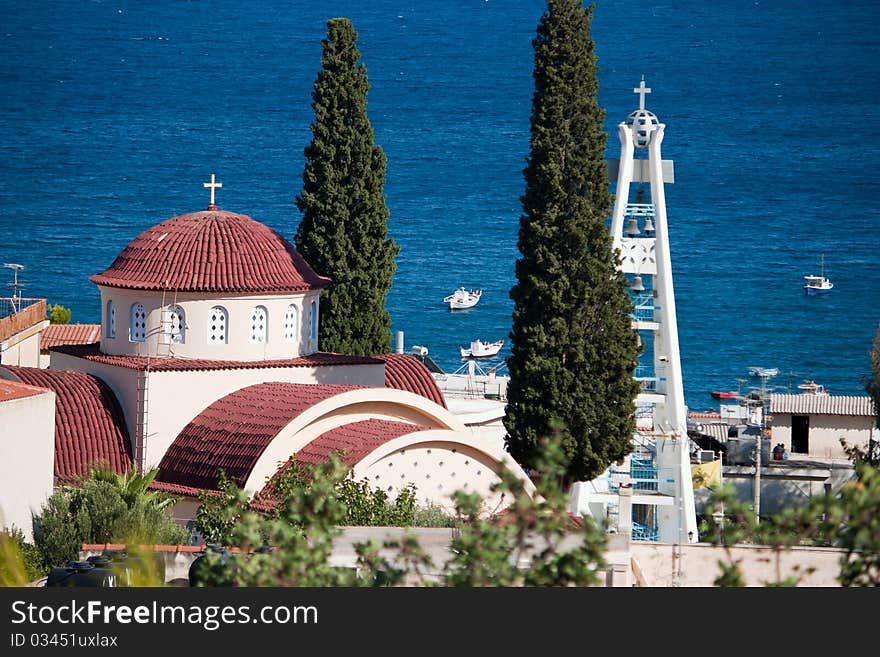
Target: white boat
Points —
{"points": [[462, 298], [763, 371], [812, 388], [480, 349], [818, 284]]}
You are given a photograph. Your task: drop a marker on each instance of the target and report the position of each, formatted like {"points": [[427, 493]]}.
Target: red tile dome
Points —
{"points": [[211, 251]]}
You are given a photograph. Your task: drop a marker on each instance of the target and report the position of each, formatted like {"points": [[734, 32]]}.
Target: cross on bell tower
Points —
{"points": [[213, 185], [642, 90]]}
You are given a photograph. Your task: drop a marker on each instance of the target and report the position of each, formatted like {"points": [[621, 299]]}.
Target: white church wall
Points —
{"points": [[439, 463], [241, 342], [27, 432]]}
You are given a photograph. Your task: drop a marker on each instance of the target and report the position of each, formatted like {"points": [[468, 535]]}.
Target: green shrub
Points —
{"points": [[58, 314]]}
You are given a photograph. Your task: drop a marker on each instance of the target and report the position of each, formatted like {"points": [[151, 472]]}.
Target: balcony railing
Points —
{"points": [[20, 315]]}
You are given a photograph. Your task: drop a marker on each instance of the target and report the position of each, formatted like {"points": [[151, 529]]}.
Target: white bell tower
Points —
{"points": [[640, 232]]}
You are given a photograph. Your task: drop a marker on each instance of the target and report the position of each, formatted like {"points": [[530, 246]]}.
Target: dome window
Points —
{"points": [[291, 319], [110, 319], [174, 326], [259, 320], [137, 323], [217, 323]]}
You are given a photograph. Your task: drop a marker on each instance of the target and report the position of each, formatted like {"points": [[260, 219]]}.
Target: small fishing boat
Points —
{"points": [[463, 298], [723, 394], [763, 371], [818, 284], [480, 349], [812, 388]]}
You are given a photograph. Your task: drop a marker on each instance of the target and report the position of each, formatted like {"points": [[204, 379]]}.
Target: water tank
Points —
{"points": [[83, 574], [197, 570]]}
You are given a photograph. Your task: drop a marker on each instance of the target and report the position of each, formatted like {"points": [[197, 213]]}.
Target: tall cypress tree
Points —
{"points": [[343, 233], [573, 348]]}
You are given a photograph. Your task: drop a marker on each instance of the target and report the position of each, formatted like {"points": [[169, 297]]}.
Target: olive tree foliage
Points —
{"points": [[534, 543], [847, 520], [103, 507]]}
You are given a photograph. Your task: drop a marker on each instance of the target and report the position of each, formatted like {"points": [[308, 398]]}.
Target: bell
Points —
{"points": [[632, 227], [649, 226], [640, 194], [637, 284]]}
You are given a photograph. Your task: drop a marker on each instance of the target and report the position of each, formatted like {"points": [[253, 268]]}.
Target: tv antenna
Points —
{"points": [[15, 285]]}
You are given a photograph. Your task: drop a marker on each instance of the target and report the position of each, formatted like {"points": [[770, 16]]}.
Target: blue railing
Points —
{"points": [[644, 533], [644, 374], [643, 307]]}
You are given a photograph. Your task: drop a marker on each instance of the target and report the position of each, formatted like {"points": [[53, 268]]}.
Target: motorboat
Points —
{"points": [[812, 388], [480, 349], [765, 372], [818, 284], [463, 298], [723, 394]]}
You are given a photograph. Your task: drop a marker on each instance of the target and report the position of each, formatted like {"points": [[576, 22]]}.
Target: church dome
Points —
{"points": [[211, 251]]}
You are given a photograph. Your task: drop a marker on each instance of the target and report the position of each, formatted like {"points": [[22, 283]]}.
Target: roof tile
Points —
{"points": [[407, 373], [93, 353], [60, 334], [211, 251]]}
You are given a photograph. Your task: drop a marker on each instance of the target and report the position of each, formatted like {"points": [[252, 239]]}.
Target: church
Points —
{"points": [[209, 358]]}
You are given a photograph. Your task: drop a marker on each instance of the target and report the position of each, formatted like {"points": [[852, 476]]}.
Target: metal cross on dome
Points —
{"points": [[641, 90], [212, 185]]}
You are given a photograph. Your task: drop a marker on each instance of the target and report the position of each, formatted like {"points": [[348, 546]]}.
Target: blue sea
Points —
{"points": [[112, 114]]}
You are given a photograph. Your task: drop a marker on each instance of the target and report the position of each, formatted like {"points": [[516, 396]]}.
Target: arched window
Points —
{"points": [[291, 322], [313, 321], [217, 323], [110, 320], [137, 323], [174, 325], [259, 324]]}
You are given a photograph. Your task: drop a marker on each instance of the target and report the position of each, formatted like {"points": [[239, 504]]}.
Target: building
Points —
{"points": [[814, 425], [27, 419], [21, 321], [208, 358]]}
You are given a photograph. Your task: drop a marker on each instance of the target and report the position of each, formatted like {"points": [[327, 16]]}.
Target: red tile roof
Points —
{"points": [[10, 390], [211, 251], [58, 334], [407, 373], [93, 353], [233, 432], [89, 424], [354, 440]]}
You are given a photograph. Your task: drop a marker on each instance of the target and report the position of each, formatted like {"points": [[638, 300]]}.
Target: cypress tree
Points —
{"points": [[343, 232], [573, 348]]}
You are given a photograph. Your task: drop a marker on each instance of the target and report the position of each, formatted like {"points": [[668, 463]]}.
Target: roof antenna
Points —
{"points": [[15, 285]]}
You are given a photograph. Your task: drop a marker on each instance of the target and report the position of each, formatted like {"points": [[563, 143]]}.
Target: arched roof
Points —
{"points": [[407, 373], [233, 432], [353, 441], [89, 423], [211, 251]]}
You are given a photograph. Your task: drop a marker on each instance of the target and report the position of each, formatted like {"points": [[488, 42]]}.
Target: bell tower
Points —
{"points": [[640, 233]]}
